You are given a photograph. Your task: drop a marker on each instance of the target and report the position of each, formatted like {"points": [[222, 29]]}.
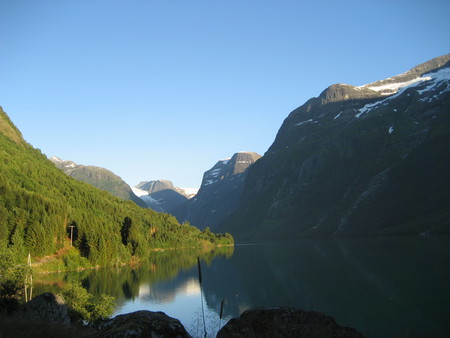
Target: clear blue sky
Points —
{"points": [[165, 89]]}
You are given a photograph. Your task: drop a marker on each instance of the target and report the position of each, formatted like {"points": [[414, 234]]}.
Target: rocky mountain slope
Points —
{"points": [[100, 178], [219, 193], [367, 160], [160, 195]]}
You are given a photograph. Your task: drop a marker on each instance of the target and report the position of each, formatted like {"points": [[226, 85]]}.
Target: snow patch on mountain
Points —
{"points": [[215, 172], [149, 200], [337, 116], [190, 192], [139, 192], [391, 88], [55, 159], [434, 80], [307, 121]]}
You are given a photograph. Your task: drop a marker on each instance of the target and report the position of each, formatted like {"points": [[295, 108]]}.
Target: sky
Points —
{"points": [[164, 89]]}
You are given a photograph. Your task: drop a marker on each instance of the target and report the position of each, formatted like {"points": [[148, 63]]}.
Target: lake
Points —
{"points": [[383, 287]]}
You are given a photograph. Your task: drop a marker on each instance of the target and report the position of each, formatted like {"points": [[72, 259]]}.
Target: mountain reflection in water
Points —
{"points": [[380, 286]]}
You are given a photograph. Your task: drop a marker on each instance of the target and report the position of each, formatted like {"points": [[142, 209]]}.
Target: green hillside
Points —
{"points": [[38, 204], [100, 178]]}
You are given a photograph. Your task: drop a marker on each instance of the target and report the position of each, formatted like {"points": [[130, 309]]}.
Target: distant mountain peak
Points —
{"points": [[55, 159], [155, 186], [235, 165], [161, 195]]}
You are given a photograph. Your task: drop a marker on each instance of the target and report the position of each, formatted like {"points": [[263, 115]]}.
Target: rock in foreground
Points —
{"points": [[47, 307], [142, 324], [284, 322]]}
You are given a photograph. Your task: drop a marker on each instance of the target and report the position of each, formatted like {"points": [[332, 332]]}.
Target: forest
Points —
{"points": [[42, 210]]}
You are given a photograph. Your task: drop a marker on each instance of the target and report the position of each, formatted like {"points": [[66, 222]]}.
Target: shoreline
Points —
{"points": [[134, 261]]}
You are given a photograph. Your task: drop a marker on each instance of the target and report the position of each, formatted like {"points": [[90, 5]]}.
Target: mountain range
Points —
{"points": [[99, 177], [42, 210], [356, 160]]}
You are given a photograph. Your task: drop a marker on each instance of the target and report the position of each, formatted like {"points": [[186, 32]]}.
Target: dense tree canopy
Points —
{"points": [[39, 203]]}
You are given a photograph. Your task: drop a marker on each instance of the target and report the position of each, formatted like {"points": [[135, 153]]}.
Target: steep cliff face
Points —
{"points": [[220, 192], [362, 160], [98, 177]]}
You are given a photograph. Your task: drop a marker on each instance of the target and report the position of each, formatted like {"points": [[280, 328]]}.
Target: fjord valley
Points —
{"points": [[224, 169], [350, 199], [39, 204]]}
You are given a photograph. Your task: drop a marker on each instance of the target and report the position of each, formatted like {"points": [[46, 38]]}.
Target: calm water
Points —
{"points": [[384, 287]]}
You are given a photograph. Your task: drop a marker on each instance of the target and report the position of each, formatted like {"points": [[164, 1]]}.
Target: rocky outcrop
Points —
{"points": [[51, 310], [142, 324], [284, 322], [47, 307]]}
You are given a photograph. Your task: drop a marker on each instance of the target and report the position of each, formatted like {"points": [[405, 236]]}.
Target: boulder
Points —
{"points": [[47, 307], [284, 322], [142, 324]]}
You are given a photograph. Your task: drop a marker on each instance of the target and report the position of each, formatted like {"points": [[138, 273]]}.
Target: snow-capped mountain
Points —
{"points": [[219, 193], [356, 160], [161, 195]]}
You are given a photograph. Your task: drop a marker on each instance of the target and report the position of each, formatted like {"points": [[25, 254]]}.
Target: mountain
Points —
{"points": [[99, 177], [367, 160], [154, 186], [160, 195], [8, 129], [219, 193], [41, 207]]}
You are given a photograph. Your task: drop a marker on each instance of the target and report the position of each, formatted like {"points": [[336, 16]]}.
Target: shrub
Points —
{"points": [[85, 307], [12, 279]]}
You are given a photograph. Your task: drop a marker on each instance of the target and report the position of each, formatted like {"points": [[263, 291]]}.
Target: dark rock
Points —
{"points": [[47, 307], [355, 161], [284, 322], [219, 194], [142, 324]]}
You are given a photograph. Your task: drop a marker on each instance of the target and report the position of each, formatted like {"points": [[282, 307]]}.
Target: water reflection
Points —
{"points": [[381, 286]]}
